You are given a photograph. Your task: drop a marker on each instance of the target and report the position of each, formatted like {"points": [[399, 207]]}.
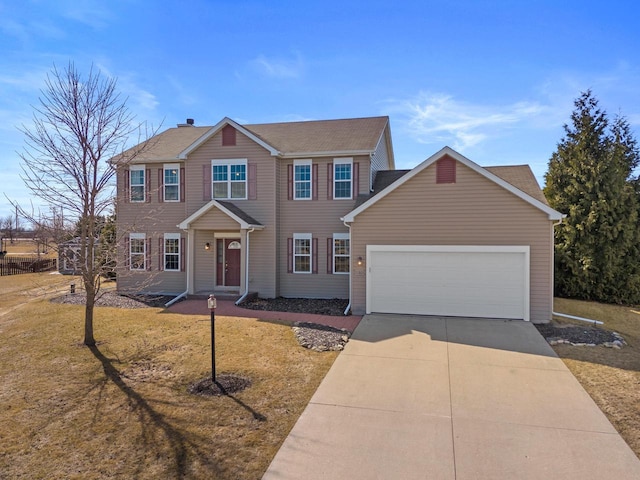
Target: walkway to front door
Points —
{"points": [[228, 262]]}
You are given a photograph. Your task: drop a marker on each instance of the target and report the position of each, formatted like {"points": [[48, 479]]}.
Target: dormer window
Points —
{"points": [[446, 170]]}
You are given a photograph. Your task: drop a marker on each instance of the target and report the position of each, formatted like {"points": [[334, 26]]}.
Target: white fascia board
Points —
{"points": [[186, 223], [551, 213], [335, 153], [216, 128]]}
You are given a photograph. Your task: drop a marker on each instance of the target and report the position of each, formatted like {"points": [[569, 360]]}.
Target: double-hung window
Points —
{"points": [[137, 251], [341, 253], [172, 251], [342, 178], [302, 253], [136, 183], [229, 179], [302, 179], [172, 183]]}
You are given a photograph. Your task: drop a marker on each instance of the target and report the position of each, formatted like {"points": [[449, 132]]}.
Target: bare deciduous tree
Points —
{"points": [[79, 124]]}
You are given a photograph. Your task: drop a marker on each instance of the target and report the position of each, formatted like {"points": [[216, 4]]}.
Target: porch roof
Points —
{"points": [[234, 212]]}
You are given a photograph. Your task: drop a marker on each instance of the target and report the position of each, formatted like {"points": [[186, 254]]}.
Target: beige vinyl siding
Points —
{"points": [[472, 211], [262, 278], [380, 158], [153, 218], [321, 218]]}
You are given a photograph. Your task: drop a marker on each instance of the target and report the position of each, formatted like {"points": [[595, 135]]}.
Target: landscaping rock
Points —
{"points": [[320, 338], [579, 336]]}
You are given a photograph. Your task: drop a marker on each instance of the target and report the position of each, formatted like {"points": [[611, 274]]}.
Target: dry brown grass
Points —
{"points": [[611, 377], [31, 247], [121, 410]]}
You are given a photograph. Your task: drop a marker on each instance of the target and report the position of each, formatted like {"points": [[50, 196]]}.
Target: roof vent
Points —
{"points": [[190, 121]]}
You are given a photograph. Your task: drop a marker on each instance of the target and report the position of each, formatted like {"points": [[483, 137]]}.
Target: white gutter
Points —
{"points": [[246, 273], [186, 271], [582, 319], [346, 310]]}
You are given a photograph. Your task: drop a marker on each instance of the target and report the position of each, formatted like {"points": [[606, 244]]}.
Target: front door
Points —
{"points": [[228, 262]]}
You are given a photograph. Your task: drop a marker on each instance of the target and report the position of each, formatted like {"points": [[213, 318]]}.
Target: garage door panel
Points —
{"points": [[453, 283]]}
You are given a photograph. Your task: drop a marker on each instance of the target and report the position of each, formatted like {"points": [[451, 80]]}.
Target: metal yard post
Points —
{"points": [[211, 303]]}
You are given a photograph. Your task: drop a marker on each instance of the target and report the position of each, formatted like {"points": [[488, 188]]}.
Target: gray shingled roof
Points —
{"points": [[521, 177], [239, 212], [344, 135]]}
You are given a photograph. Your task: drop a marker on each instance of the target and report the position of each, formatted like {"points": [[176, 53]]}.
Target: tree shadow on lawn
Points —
{"points": [[150, 419]]}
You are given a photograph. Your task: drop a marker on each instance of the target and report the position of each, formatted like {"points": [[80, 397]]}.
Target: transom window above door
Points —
{"points": [[229, 179]]}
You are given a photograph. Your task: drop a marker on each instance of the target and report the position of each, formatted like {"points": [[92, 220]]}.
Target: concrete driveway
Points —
{"points": [[451, 398]]}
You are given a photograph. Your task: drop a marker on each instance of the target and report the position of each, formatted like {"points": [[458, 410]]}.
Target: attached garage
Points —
{"points": [[464, 281], [451, 238]]}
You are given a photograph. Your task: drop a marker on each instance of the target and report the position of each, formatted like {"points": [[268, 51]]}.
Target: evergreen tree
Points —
{"points": [[590, 180]]}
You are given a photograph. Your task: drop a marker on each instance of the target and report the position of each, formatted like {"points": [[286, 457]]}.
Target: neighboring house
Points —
{"points": [[316, 209]]}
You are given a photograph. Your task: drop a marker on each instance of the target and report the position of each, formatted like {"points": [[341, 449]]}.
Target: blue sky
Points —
{"points": [[494, 80]]}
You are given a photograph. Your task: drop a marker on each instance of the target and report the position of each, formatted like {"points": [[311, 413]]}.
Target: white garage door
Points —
{"points": [[460, 281]]}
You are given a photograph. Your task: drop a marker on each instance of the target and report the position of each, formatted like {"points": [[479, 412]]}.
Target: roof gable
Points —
{"points": [[232, 211], [447, 151], [219, 126]]}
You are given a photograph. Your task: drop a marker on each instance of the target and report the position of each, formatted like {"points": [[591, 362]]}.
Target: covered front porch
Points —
{"points": [[218, 250]]}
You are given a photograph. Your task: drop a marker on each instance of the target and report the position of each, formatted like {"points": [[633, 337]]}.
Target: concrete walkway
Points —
{"points": [[450, 398]]}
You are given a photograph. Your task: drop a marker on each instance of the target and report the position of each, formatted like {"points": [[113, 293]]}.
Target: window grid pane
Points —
{"points": [[238, 173], [137, 185], [220, 173], [137, 253], [302, 255], [229, 181], [238, 190], [342, 180], [220, 190], [302, 181], [341, 255]]}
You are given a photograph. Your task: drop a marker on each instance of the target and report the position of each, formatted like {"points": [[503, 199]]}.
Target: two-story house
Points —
{"points": [[316, 209]]}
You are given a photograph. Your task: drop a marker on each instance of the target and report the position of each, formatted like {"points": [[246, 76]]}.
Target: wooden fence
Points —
{"points": [[14, 265]]}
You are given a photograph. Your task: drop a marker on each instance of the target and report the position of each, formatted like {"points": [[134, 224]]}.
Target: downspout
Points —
{"points": [[186, 271], [246, 273], [346, 310], [553, 254]]}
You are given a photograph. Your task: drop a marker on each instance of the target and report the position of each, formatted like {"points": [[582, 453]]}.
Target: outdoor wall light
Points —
{"points": [[207, 246], [360, 261]]}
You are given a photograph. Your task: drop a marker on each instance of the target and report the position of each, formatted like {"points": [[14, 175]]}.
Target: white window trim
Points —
{"points": [[134, 168], [170, 166], [342, 161], [228, 162], [303, 162], [303, 236], [171, 236], [143, 237], [340, 236]]}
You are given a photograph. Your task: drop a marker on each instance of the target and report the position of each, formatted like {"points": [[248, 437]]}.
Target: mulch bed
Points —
{"points": [[225, 384], [112, 299], [319, 306]]}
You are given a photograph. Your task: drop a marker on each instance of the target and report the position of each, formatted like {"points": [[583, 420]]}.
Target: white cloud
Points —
{"points": [[279, 67], [441, 118]]}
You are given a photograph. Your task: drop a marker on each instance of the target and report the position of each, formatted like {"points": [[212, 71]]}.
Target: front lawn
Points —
{"points": [[610, 376], [122, 410]]}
